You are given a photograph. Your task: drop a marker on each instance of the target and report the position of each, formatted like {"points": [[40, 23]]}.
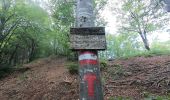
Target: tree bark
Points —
{"points": [[145, 40], [89, 71]]}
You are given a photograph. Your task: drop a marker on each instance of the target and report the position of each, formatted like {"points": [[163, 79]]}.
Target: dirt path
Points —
{"points": [[45, 80]]}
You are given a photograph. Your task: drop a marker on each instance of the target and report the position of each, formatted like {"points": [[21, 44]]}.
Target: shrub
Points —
{"points": [[103, 64], [5, 70], [73, 68]]}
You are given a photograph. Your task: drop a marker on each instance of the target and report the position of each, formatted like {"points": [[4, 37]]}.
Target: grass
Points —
{"points": [[151, 53], [149, 96], [154, 53], [73, 67], [146, 95]]}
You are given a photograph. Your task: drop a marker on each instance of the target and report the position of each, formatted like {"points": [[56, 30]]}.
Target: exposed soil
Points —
{"points": [[135, 76], [49, 79], [46, 79]]}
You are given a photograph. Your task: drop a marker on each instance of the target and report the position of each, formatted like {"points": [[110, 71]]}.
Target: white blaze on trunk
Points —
{"points": [[87, 56]]}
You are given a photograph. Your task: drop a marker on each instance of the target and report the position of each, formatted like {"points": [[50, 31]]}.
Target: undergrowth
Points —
{"points": [[149, 96], [73, 67], [5, 70], [103, 64], [151, 53], [146, 95]]}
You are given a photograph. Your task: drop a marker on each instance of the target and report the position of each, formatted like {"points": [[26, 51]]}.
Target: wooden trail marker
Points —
{"points": [[88, 38]]}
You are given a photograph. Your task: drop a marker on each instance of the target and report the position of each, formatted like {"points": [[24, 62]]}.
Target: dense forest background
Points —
{"points": [[32, 29]]}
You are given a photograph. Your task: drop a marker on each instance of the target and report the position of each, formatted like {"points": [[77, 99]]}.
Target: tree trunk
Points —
{"points": [[89, 72], [12, 56], [145, 40], [32, 51]]}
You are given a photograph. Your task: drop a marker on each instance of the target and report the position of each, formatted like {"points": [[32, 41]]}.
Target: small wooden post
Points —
{"points": [[87, 40]]}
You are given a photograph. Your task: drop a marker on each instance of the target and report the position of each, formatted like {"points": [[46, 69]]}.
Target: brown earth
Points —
{"points": [[46, 79], [49, 79], [135, 76]]}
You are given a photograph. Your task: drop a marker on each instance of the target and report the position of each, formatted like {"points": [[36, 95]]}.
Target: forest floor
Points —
{"points": [[49, 79]]}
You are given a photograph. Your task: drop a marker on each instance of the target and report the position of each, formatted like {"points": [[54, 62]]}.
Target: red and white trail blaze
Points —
{"points": [[88, 58]]}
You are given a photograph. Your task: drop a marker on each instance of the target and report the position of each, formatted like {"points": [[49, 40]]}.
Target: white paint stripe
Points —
{"points": [[87, 56]]}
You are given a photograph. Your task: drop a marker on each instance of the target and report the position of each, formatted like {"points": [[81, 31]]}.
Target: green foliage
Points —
{"points": [[5, 70], [29, 31], [27, 25], [152, 53], [149, 96], [73, 68], [103, 64], [73, 56], [157, 49], [137, 22], [146, 95], [141, 17], [126, 45], [122, 45], [63, 19], [64, 13], [35, 35]]}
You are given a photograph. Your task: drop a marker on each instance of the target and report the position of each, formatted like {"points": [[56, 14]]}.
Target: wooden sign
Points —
{"points": [[89, 38]]}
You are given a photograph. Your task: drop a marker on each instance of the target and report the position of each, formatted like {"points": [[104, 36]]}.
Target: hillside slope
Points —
{"points": [[48, 79], [134, 77]]}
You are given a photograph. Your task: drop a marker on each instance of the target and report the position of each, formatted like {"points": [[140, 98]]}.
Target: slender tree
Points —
{"points": [[142, 17]]}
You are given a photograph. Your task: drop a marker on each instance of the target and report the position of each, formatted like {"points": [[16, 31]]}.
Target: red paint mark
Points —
{"points": [[90, 78], [84, 62], [87, 52]]}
